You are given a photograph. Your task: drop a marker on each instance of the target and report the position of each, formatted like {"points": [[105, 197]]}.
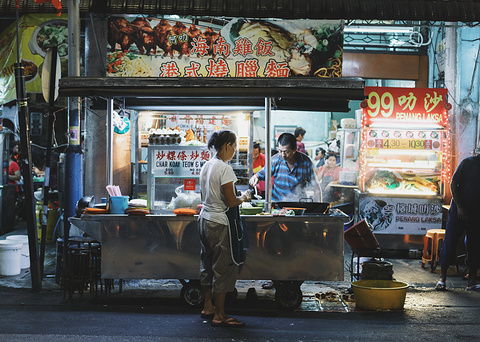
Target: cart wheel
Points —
{"points": [[191, 294], [288, 296]]}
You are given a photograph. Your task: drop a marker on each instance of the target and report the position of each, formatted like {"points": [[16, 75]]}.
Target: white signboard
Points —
{"points": [[178, 161], [389, 215]]}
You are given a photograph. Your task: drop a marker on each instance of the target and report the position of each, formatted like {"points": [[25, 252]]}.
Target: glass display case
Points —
{"points": [[404, 163], [171, 147], [407, 162]]}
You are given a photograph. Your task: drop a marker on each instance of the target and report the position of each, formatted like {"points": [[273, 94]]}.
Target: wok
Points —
{"points": [[310, 207]]}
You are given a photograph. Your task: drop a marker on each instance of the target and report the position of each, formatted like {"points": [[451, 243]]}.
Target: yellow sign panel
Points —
{"points": [[36, 33], [404, 144]]}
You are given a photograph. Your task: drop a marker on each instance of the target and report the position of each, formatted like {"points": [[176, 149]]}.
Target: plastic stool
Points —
{"points": [[434, 238]]}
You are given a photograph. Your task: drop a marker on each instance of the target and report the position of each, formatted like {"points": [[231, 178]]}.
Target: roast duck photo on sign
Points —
{"points": [[308, 51]]}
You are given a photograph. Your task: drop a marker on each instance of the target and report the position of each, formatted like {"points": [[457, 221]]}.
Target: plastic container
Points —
{"points": [[118, 204], [25, 253], [361, 239], [10, 254], [379, 294]]}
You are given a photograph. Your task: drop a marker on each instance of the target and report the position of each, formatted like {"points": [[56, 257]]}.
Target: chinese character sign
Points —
{"points": [[401, 215], [149, 47], [178, 161], [405, 105]]}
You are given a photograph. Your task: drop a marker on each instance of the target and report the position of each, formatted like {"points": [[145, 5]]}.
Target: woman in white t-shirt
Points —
{"points": [[218, 273]]}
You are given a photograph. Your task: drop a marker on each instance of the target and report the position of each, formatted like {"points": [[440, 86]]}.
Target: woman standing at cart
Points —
{"points": [[218, 273]]}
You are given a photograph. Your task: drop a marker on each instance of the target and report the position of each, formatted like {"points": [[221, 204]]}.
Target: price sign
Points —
{"points": [[405, 144]]}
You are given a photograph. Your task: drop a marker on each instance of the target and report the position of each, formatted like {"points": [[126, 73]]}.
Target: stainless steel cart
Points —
{"points": [[288, 250]]}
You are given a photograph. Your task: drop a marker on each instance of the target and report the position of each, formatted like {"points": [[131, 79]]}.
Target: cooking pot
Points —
{"points": [[84, 202], [310, 207]]}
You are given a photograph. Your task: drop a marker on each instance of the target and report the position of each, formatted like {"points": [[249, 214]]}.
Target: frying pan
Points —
{"points": [[310, 207]]}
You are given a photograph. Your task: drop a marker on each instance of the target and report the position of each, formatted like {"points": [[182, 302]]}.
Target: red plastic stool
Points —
{"points": [[434, 238]]}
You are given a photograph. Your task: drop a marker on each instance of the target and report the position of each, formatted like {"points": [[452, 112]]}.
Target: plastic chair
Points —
{"points": [[433, 239]]}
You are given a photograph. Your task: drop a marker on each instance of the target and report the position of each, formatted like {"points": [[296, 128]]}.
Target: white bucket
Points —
{"points": [[23, 239], [10, 253]]}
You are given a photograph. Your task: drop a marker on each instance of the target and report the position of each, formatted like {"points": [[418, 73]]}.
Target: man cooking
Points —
{"points": [[292, 172]]}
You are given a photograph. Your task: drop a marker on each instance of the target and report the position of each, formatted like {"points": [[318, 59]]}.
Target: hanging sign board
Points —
{"points": [[150, 47], [390, 106]]}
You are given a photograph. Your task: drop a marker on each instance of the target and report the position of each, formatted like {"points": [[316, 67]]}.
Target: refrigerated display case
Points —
{"points": [[404, 164]]}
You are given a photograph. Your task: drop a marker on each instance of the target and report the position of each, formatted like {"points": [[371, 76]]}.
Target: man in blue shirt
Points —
{"points": [[292, 172]]}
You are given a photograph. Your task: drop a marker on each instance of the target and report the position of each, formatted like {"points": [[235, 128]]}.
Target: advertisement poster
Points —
{"points": [[149, 47], [389, 215], [405, 106], [179, 161], [38, 32]]}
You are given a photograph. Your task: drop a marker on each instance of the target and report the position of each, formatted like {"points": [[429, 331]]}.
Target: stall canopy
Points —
{"points": [[429, 10], [293, 93]]}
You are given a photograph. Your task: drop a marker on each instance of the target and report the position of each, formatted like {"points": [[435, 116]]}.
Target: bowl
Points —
{"points": [[251, 210], [258, 203], [49, 33], [379, 294]]}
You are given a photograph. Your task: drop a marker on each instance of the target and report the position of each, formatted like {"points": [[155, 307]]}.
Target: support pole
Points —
{"points": [[110, 141], [26, 166], [48, 156], [268, 156], [73, 158]]}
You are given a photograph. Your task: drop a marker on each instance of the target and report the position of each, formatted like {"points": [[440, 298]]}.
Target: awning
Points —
{"points": [[416, 10], [328, 94]]}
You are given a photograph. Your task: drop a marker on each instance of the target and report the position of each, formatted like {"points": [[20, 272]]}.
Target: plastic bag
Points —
{"points": [[185, 199]]}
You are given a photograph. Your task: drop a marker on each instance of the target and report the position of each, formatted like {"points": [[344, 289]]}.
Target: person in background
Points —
{"points": [[330, 172], [14, 174], [299, 135], [320, 157], [463, 216], [218, 273], [258, 164], [292, 172]]}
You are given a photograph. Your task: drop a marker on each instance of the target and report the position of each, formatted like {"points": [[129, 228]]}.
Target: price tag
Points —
{"points": [[372, 152], [404, 144]]}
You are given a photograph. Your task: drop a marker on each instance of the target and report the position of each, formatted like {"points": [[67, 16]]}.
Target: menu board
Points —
{"points": [[395, 139], [178, 161]]}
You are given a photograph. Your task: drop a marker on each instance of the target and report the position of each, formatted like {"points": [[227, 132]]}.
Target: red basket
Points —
{"points": [[361, 238]]}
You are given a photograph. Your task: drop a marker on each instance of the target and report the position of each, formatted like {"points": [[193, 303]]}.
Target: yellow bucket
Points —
{"points": [[379, 294]]}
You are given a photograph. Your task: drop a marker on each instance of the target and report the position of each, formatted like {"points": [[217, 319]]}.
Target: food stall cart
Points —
{"points": [[404, 163], [288, 250]]}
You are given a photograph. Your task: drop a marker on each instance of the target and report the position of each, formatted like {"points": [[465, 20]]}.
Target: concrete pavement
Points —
{"points": [[150, 310]]}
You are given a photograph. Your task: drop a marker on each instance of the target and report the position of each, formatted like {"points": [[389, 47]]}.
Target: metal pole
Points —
{"points": [[46, 183], [26, 166], [73, 158], [268, 155], [110, 141]]}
